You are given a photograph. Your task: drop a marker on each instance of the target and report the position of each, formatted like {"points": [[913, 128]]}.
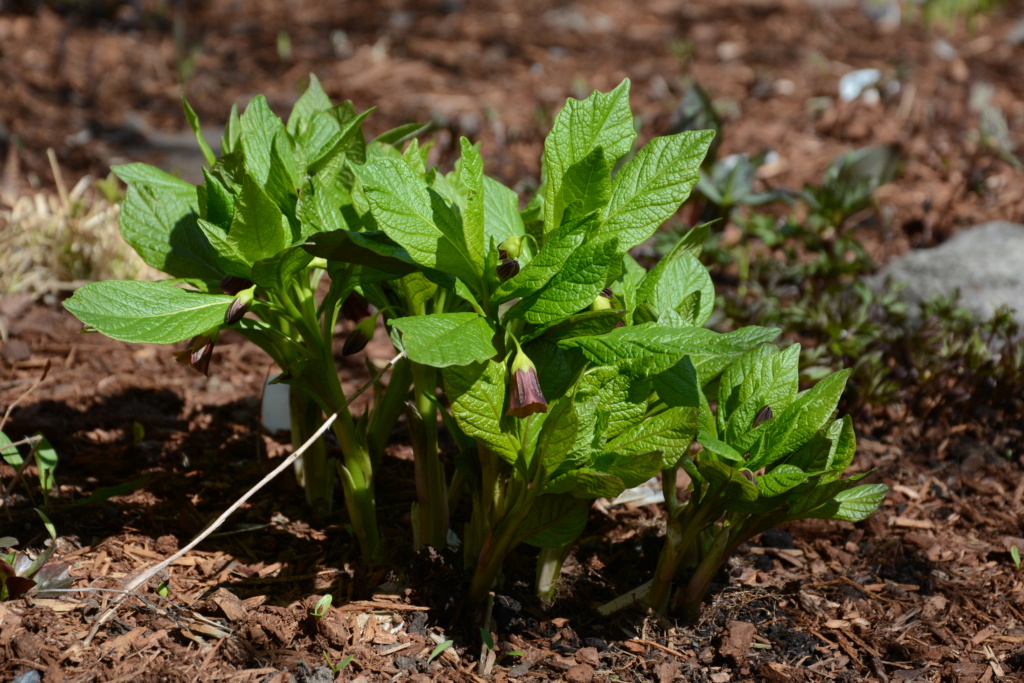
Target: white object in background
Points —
{"points": [[860, 82], [275, 413]]}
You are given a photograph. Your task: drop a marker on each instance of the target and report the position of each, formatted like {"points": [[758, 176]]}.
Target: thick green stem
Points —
{"points": [[314, 469], [497, 545], [431, 492], [362, 511], [386, 411], [693, 595], [549, 568], [682, 529]]}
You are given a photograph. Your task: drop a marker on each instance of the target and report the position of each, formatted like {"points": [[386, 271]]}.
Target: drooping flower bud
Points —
{"points": [[525, 395], [355, 307], [231, 284], [508, 268], [236, 311], [512, 247], [198, 353], [360, 336]]}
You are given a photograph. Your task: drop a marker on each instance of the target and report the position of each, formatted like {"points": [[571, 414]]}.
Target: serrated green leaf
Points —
{"points": [[313, 101], [587, 184], [280, 269], [780, 480], [554, 521], [551, 260], [572, 288], [417, 218], [651, 187], [259, 230], [849, 505], [675, 278], [671, 432], [443, 339], [258, 127], [501, 212], [371, 248], [471, 173], [602, 120], [193, 122], [228, 259], [583, 324], [158, 219], [148, 312], [764, 376], [797, 424], [656, 348], [633, 470], [477, 396], [557, 435], [216, 203]]}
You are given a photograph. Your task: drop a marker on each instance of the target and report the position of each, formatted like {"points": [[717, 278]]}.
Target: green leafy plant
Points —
{"points": [[1015, 556], [234, 247], [770, 454]]}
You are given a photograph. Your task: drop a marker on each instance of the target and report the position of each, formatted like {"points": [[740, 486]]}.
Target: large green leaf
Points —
{"points": [[554, 521], [604, 121], [671, 432], [633, 469], [158, 219], [656, 348], [557, 435], [149, 312], [551, 260], [501, 212], [259, 229], [796, 425], [279, 270], [651, 187], [417, 218], [444, 339], [571, 289], [587, 184], [313, 101], [579, 325], [471, 173], [477, 396], [370, 248], [670, 283], [258, 128], [762, 377]]}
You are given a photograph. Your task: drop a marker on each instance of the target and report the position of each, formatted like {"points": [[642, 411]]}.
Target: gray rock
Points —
{"points": [[984, 263]]}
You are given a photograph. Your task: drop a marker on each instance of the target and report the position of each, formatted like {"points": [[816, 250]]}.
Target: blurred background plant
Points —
{"points": [[55, 242]]}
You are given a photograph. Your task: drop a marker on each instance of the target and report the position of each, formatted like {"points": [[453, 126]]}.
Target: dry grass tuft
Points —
{"points": [[51, 243]]}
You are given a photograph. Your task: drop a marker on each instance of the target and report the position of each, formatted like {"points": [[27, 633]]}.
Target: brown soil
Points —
{"points": [[924, 590]]}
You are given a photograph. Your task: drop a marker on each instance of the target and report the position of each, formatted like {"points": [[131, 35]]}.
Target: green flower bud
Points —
{"points": [[511, 247]]}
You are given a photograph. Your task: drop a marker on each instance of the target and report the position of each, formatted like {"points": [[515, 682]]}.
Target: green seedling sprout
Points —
{"points": [[323, 605]]}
